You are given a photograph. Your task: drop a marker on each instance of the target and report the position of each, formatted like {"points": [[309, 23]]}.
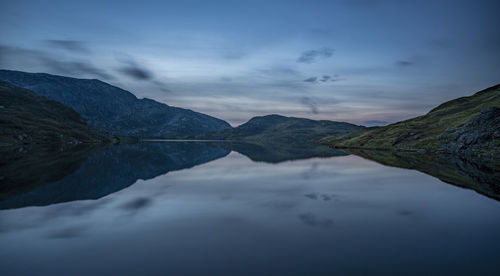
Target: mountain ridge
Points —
{"points": [[467, 126], [276, 128], [110, 108]]}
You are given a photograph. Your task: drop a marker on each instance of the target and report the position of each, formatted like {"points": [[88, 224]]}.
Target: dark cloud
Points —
{"points": [[70, 45], [311, 79], [312, 56], [135, 71], [404, 63], [311, 196], [311, 104], [137, 204], [325, 78]]}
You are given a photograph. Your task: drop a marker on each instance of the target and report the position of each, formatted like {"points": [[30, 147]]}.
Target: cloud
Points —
{"points": [[162, 86], [311, 79], [325, 78], [404, 63], [74, 68], [70, 45], [312, 56], [311, 104], [15, 55], [133, 70], [322, 79]]}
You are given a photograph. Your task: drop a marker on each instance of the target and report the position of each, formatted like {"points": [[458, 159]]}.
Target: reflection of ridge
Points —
{"points": [[481, 177], [116, 168], [280, 152]]}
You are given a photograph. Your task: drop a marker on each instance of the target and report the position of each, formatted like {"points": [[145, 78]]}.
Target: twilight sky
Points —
{"points": [[346, 60]]}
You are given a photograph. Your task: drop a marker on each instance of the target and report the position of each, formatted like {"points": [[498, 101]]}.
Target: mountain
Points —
{"points": [[112, 109], [27, 118], [468, 126], [281, 129]]}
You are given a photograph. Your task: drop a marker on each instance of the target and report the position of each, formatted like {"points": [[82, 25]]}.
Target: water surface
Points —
{"points": [[204, 209]]}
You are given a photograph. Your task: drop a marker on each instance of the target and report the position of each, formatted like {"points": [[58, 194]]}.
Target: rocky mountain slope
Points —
{"points": [[112, 109], [469, 126], [281, 129], [27, 118]]}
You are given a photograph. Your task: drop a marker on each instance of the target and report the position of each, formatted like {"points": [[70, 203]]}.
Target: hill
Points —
{"points": [[115, 110], [467, 126], [281, 129], [27, 118]]}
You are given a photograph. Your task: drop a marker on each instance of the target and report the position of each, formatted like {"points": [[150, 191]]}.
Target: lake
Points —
{"points": [[180, 208]]}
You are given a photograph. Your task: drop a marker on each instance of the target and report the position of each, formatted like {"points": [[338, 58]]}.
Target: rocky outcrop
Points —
{"points": [[478, 137]]}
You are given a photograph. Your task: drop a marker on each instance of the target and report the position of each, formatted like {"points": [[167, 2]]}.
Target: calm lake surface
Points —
{"points": [[194, 209]]}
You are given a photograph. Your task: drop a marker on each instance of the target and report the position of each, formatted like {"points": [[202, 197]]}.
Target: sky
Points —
{"points": [[347, 60]]}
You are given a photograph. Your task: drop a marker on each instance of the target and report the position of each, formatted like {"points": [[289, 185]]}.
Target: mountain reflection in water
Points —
{"points": [[41, 177]]}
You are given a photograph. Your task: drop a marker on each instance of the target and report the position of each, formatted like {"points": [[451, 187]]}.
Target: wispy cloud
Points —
{"points": [[311, 79], [312, 56], [70, 45], [13, 55], [404, 63], [311, 104], [131, 69], [322, 79]]}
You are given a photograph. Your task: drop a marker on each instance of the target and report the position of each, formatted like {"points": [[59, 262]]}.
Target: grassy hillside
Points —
{"points": [[281, 129], [27, 118], [452, 126]]}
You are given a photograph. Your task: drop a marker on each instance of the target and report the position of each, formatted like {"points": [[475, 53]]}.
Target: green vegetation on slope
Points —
{"points": [[453, 126], [281, 129], [27, 118]]}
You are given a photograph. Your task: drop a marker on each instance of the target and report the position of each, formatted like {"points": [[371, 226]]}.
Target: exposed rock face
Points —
{"points": [[112, 109], [476, 137]]}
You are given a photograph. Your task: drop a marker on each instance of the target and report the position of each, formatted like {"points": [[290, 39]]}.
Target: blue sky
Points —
{"points": [[344, 60]]}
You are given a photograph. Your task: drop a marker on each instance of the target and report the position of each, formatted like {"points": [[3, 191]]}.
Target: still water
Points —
{"points": [[203, 209]]}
